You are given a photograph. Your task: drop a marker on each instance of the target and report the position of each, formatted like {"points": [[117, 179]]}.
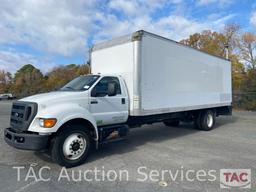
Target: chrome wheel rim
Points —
{"points": [[209, 120], [74, 146]]}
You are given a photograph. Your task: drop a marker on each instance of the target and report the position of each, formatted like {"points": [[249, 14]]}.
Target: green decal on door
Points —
{"points": [[98, 122]]}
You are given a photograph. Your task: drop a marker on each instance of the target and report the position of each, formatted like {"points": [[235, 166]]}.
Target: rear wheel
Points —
{"points": [[205, 120], [71, 146], [172, 123]]}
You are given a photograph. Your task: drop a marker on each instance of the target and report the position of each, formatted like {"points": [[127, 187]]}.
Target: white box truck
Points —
{"points": [[141, 78]]}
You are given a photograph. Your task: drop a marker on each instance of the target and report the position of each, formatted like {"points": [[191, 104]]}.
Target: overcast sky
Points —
{"points": [[47, 33]]}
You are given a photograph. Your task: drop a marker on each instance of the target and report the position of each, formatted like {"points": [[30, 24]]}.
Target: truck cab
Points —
{"points": [[87, 102]]}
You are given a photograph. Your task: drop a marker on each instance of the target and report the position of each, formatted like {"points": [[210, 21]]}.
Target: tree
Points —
{"points": [[5, 81], [214, 42], [238, 73], [83, 70], [193, 41], [208, 41], [247, 47], [27, 81], [59, 76]]}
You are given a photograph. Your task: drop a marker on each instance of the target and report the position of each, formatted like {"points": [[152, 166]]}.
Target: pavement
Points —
{"points": [[143, 162]]}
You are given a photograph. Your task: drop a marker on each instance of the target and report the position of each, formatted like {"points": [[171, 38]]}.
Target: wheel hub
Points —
{"points": [[74, 146]]}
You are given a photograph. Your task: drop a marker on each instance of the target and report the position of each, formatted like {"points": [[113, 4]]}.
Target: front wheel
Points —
{"points": [[71, 146]]}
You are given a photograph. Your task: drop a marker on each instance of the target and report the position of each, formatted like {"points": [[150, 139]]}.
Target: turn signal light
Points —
{"points": [[47, 123]]}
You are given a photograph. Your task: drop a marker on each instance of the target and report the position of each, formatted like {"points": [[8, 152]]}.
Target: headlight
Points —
{"points": [[47, 123]]}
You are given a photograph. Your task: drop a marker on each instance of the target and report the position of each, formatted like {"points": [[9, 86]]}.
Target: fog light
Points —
{"points": [[19, 139], [47, 123]]}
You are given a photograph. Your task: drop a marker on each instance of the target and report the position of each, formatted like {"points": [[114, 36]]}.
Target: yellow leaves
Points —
{"points": [[59, 76], [208, 41], [248, 37]]}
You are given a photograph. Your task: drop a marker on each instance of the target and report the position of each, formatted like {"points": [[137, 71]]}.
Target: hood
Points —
{"points": [[46, 98]]}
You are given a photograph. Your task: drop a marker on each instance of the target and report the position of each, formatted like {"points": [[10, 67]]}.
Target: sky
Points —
{"points": [[49, 33]]}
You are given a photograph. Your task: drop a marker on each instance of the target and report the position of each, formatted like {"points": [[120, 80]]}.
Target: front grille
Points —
{"points": [[22, 115]]}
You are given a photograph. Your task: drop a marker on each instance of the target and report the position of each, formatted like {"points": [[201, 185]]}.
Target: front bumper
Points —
{"points": [[26, 141]]}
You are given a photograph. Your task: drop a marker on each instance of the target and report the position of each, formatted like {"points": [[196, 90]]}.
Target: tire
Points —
{"points": [[172, 123], [205, 120], [71, 146]]}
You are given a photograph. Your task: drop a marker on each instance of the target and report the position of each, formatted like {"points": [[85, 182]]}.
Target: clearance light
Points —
{"points": [[47, 123]]}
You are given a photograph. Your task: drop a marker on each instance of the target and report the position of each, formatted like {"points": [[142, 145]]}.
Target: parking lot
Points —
{"points": [[156, 147]]}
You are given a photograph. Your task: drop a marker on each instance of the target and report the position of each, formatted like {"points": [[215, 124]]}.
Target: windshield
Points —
{"points": [[80, 83]]}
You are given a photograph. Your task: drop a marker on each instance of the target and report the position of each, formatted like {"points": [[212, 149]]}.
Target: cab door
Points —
{"points": [[108, 109]]}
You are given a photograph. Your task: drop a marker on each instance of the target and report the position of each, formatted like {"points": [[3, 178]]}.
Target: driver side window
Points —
{"points": [[101, 89]]}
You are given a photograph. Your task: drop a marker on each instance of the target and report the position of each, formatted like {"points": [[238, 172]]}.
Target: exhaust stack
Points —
{"points": [[226, 51]]}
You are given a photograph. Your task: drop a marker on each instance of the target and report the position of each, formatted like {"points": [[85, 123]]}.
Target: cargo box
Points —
{"points": [[163, 75]]}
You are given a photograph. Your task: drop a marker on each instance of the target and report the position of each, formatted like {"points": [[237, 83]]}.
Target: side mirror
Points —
{"points": [[112, 89]]}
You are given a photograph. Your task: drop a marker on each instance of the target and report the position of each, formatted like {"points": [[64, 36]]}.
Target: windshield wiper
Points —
{"points": [[69, 88]]}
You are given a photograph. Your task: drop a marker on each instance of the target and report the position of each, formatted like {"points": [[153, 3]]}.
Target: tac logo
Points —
{"points": [[240, 178]]}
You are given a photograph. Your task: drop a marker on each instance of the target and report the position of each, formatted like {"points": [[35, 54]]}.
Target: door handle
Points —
{"points": [[94, 102], [123, 100]]}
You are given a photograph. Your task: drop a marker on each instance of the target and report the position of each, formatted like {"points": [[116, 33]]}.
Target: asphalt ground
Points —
{"points": [[129, 165]]}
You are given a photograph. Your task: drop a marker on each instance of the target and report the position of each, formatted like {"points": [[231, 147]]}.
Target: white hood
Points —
{"points": [[56, 96]]}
